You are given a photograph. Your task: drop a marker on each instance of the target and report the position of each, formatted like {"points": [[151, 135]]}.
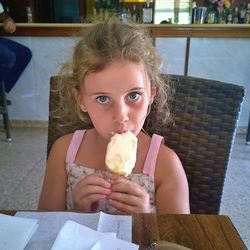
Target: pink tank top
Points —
{"points": [[76, 173]]}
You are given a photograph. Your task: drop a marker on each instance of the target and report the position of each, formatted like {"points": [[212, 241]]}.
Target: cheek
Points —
{"points": [[96, 117], [98, 113], [140, 111], [102, 121]]}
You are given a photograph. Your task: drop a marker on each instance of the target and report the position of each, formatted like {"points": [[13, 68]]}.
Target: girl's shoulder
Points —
{"points": [[167, 159], [166, 153], [61, 144], [65, 139], [168, 165]]}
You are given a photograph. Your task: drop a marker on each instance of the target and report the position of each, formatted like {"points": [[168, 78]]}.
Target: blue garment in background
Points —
{"points": [[14, 58]]}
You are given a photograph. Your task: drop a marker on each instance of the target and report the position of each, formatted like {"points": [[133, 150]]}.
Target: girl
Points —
{"points": [[110, 84]]}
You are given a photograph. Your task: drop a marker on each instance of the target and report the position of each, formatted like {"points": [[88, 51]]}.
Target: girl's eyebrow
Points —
{"points": [[137, 88], [100, 93], [130, 90]]}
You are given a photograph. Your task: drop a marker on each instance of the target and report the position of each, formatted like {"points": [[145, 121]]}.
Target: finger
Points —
{"points": [[98, 178], [92, 189], [94, 179], [89, 203], [91, 186], [117, 178], [124, 198], [83, 191], [128, 187], [122, 207], [92, 198]]}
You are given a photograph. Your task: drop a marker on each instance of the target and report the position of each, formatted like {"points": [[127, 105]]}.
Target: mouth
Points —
{"points": [[120, 132]]}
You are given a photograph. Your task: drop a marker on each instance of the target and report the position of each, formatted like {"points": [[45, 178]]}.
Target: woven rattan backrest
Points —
{"points": [[205, 114], [55, 130]]}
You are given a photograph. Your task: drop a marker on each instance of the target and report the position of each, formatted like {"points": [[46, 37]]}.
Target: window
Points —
{"points": [[177, 10]]}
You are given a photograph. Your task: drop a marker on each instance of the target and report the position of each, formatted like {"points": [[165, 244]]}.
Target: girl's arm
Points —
{"points": [[172, 193], [54, 185]]}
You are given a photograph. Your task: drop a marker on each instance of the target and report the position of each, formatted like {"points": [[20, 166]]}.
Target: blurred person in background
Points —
{"points": [[14, 57]]}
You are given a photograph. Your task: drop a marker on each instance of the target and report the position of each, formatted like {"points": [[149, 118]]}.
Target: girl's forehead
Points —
{"points": [[118, 72]]}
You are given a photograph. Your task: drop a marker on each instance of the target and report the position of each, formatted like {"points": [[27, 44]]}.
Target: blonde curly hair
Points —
{"points": [[103, 43]]}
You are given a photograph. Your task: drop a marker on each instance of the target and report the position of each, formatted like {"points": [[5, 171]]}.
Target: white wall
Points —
{"points": [[226, 60], [220, 59], [30, 95]]}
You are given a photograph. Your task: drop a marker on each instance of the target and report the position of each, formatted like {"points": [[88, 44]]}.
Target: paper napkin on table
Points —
{"points": [[15, 232], [75, 236]]}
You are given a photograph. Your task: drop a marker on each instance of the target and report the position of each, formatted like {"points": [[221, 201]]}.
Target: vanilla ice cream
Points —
{"points": [[121, 153]]}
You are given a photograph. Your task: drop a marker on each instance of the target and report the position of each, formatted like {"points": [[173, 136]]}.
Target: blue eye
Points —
{"points": [[134, 95], [102, 99]]}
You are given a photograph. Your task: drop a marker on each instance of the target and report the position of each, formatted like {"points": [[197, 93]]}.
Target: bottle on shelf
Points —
{"points": [[134, 14], [247, 20], [123, 13], [147, 12], [29, 14], [229, 16], [193, 14], [242, 13], [129, 16], [235, 15]]}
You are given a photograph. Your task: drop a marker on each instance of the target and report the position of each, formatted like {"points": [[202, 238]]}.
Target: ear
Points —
{"points": [[152, 94], [77, 96], [83, 108]]}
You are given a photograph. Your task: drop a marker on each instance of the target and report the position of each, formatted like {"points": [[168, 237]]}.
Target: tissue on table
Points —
{"points": [[75, 236], [15, 232]]}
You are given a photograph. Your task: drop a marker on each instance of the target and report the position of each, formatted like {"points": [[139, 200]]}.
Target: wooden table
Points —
{"points": [[193, 231], [197, 232]]}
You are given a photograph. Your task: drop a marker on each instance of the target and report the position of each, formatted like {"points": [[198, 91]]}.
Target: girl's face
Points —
{"points": [[117, 98]]}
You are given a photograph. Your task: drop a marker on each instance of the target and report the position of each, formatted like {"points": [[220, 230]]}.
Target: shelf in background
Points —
{"points": [[162, 30]]}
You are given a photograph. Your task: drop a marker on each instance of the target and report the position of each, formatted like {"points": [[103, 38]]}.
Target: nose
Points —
{"points": [[121, 113]]}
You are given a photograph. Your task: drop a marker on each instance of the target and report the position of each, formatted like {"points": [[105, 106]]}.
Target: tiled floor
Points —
{"points": [[22, 165]]}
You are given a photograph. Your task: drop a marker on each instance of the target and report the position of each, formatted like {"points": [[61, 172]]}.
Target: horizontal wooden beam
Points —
{"points": [[161, 30]]}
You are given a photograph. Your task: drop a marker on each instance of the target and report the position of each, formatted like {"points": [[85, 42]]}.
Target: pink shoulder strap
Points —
{"points": [[150, 162], [74, 145]]}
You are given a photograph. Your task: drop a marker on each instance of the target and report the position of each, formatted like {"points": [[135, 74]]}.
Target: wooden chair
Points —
{"points": [[205, 115]]}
